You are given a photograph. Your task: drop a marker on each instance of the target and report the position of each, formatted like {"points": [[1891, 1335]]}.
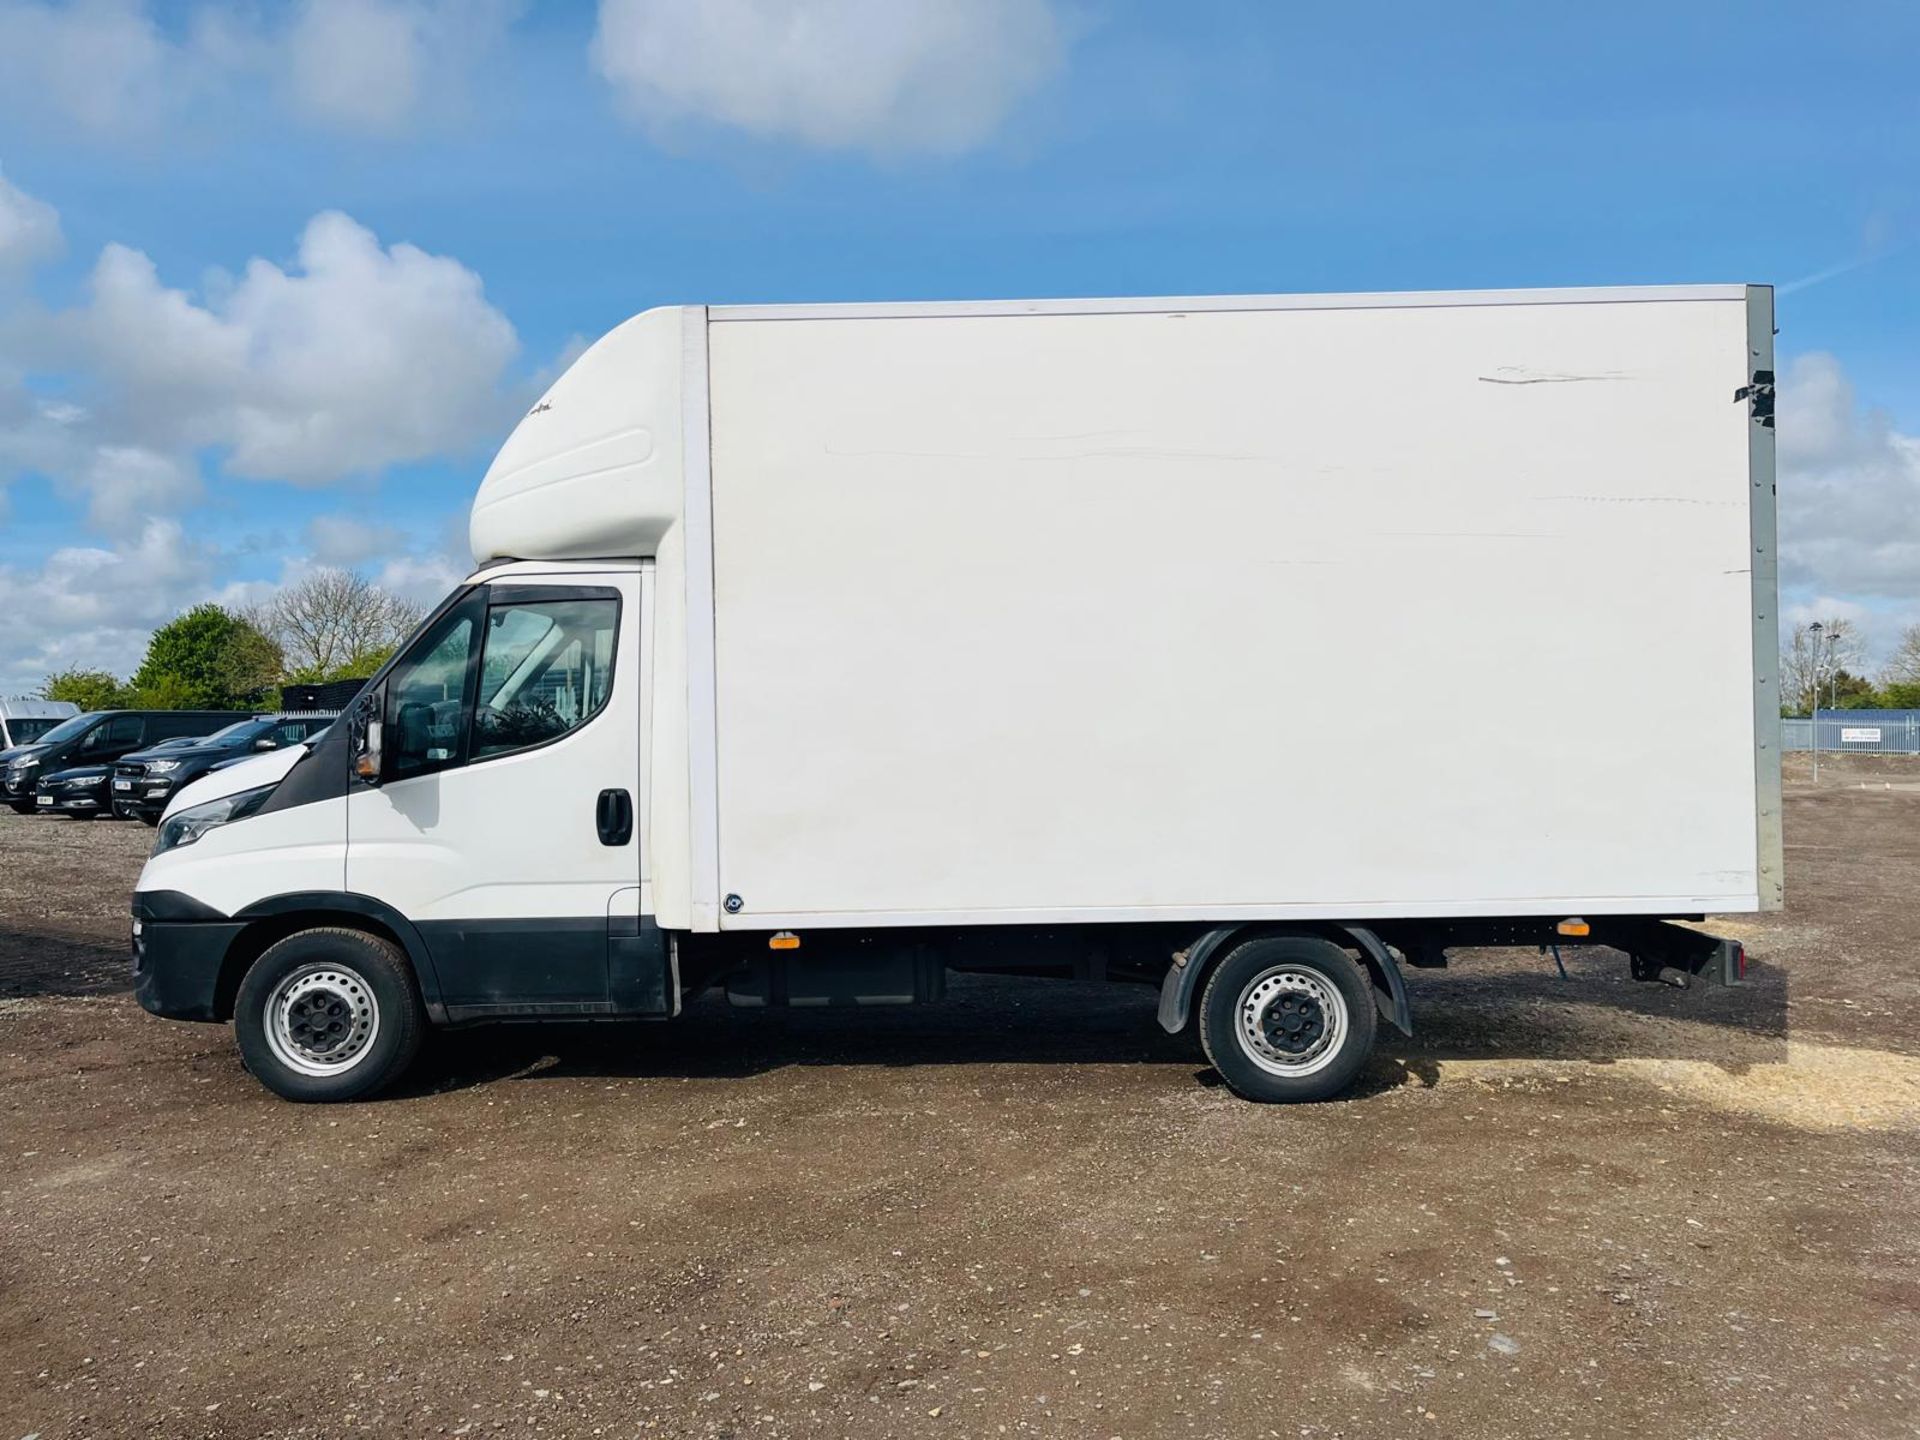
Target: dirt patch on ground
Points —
{"points": [[63, 903], [1581, 1207], [1816, 1087]]}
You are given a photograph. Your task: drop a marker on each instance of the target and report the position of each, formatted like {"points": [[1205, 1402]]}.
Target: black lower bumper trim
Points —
{"points": [[179, 945]]}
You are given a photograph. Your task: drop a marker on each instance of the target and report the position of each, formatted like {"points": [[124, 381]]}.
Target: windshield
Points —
{"points": [[67, 729], [25, 732], [243, 730]]}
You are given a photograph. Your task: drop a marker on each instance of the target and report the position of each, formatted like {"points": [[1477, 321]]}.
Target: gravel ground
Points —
{"points": [[1585, 1208]]}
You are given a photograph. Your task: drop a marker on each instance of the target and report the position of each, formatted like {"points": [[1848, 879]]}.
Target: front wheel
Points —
{"points": [[1287, 1018], [328, 1014]]}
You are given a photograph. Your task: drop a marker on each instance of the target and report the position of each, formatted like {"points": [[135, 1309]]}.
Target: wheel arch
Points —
{"points": [[271, 920], [1190, 969]]}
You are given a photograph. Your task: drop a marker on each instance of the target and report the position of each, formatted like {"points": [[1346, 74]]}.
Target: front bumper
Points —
{"points": [[179, 947], [71, 802], [139, 794]]}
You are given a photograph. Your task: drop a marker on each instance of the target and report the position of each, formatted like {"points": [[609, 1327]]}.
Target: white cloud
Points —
{"points": [[355, 358], [422, 577], [886, 76], [371, 65], [343, 540], [356, 62], [125, 486], [95, 608], [29, 229], [112, 69], [1849, 490], [105, 66]]}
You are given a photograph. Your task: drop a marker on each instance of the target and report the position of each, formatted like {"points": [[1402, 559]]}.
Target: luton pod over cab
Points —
{"points": [[814, 652]]}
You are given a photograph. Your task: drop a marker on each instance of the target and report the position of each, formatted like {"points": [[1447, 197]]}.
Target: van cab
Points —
{"points": [[24, 721]]}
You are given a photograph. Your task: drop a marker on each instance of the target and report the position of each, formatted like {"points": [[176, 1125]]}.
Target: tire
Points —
{"points": [[20, 809], [150, 821], [83, 814], [1313, 1027], [360, 993]]}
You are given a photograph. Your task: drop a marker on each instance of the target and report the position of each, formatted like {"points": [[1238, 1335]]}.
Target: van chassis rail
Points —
{"points": [[1659, 950]]}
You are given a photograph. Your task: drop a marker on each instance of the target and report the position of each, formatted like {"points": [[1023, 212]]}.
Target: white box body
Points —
{"points": [[1295, 607]]}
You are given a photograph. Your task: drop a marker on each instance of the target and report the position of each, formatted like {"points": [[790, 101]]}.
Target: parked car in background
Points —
{"points": [[82, 792], [24, 721], [98, 737], [145, 780], [79, 791]]}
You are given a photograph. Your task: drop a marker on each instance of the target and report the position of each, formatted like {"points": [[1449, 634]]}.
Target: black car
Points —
{"points": [[98, 737], [81, 790], [145, 780]]}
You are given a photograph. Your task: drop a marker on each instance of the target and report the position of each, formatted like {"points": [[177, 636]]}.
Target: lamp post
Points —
{"points": [[1814, 630]]}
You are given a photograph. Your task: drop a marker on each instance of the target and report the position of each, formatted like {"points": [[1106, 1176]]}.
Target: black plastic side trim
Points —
{"points": [[320, 774], [506, 592], [528, 965], [177, 967], [172, 905], [344, 902]]}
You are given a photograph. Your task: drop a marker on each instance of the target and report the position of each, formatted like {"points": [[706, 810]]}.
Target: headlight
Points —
{"points": [[83, 782], [23, 765], [190, 824], [162, 767]]}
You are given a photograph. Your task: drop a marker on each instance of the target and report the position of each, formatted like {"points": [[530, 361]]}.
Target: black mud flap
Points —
{"points": [[642, 970]]}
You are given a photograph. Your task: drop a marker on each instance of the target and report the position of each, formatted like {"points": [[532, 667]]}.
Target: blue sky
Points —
{"points": [[184, 427]]}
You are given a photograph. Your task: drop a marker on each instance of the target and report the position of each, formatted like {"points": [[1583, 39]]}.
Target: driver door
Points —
{"points": [[510, 755]]}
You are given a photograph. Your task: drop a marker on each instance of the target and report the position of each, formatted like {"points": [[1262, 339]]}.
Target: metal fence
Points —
{"points": [[1890, 732]]}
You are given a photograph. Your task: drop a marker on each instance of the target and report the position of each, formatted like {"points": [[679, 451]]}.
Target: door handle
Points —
{"points": [[613, 812]]}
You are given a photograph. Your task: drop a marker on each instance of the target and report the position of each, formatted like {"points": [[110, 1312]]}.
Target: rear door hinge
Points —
{"points": [[1759, 396]]}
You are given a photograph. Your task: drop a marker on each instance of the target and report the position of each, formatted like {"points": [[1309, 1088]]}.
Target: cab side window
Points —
{"points": [[426, 719], [546, 669]]}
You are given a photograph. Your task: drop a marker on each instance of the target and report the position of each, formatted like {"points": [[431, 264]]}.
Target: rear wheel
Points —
{"points": [[329, 1014], [1287, 1018]]}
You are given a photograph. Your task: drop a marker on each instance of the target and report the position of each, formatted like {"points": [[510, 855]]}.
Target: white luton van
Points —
{"points": [[1249, 647]]}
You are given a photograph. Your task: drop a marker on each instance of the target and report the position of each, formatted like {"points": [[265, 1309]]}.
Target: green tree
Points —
{"points": [[1846, 691], [251, 665], [1902, 695], [207, 659], [89, 689]]}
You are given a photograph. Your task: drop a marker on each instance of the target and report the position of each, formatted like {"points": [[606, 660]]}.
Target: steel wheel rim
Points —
{"points": [[322, 1020], [1291, 1020]]}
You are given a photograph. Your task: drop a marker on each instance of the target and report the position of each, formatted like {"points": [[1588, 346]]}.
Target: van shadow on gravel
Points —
{"points": [[36, 965], [1517, 1012]]}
